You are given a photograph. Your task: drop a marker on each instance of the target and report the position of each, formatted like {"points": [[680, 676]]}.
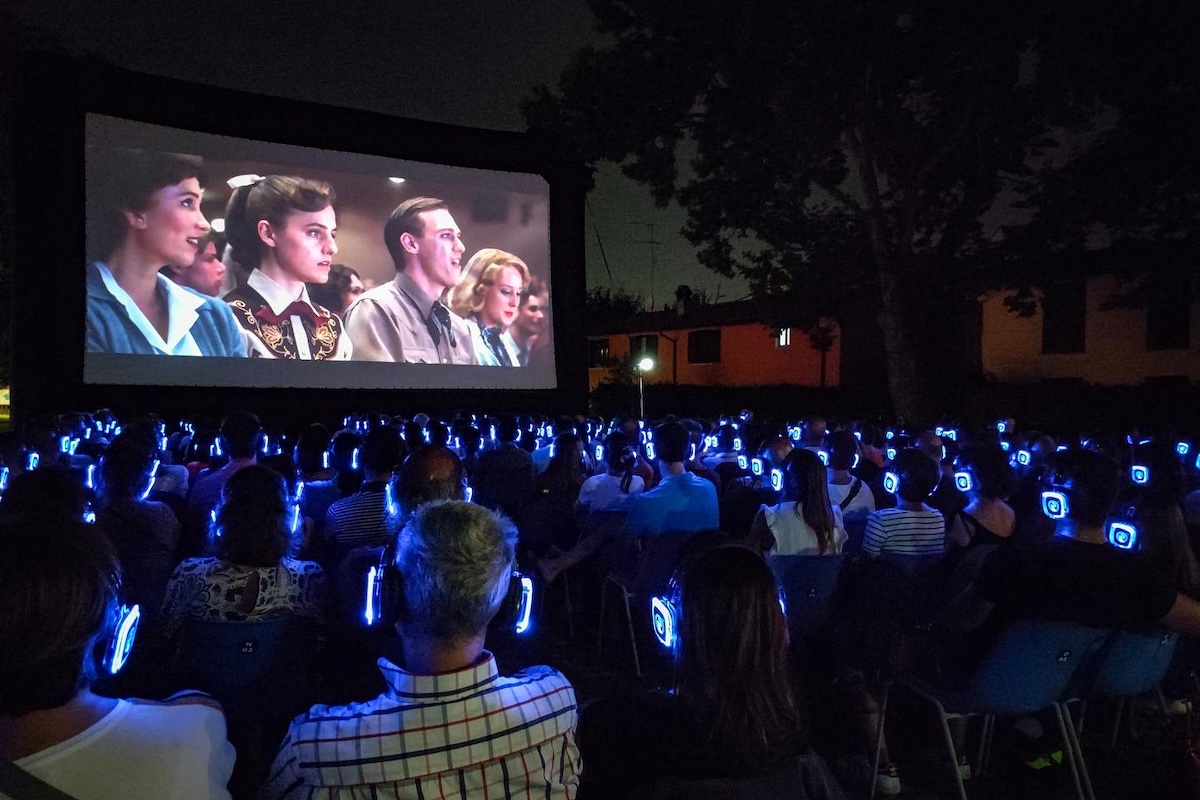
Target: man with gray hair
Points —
{"points": [[448, 718]]}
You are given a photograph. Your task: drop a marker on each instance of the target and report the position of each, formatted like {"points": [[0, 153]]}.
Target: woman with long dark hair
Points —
{"points": [[284, 230], [733, 710], [804, 522]]}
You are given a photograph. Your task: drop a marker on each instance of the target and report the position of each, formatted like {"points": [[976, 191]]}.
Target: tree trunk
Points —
{"points": [[910, 398]]}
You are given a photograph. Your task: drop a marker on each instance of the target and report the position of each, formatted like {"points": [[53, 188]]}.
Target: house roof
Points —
{"points": [[738, 312]]}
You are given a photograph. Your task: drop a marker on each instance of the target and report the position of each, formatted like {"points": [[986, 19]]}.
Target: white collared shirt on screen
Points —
{"points": [[181, 314]]}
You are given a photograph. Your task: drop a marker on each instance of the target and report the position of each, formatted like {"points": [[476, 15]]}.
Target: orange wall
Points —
{"points": [[749, 357], [1114, 341]]}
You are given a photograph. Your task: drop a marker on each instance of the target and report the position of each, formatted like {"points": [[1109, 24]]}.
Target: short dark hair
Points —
{"points": [[1093, 482], [431, 473], [381, 450], [506, 427], [671, 442], [127, 465], [918, 475], [405, 218], [309, 453], [58, 591], [992, 470], [843, 447], [241, 434], [123, 179]]}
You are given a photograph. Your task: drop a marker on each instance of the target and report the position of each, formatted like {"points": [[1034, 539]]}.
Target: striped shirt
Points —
{"points": [[464, 734], [913, 533], [360, 520]]}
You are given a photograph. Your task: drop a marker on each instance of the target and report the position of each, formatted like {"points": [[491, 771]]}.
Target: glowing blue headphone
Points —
{"points": [[1140, 474], [3, 478], [32, 459], [120, 645], [777, 479], [964, 481], [665, 608], [1023, 457], [823, 456], [756, 466], [891, 482], [1183, 448], [743, 462], [1122, 535], [1055, 504]]}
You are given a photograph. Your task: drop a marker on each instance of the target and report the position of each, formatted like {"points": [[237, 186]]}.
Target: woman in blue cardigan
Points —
{"points": [[144, 214]]}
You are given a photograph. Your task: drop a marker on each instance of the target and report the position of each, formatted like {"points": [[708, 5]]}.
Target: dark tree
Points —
{"points": [[914, 152]]}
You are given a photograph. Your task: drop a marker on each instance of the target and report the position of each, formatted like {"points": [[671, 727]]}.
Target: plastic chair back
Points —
{"points": [[1030, 667], [1135, 662], [809, 586], [247, 664]]}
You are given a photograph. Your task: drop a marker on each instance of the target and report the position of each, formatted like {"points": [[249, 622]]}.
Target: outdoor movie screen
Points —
{"points": [[226, 262]]}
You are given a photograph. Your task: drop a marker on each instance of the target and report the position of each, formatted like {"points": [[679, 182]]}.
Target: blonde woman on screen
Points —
{"points": [[489, 299]]}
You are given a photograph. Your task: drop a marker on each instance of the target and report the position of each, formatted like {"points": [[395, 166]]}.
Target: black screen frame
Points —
{"points": [[54, 94]]}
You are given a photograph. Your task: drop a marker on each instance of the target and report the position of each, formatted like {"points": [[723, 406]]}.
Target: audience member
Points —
{"points": [[364, 519], [503, 479], [912, 528], [447, 718], [681, 502], [616, 487], [60, 607], [240, 439], [252, 575], [734, 710], [804, 522]]}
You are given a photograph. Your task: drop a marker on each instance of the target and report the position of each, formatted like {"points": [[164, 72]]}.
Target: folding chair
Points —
{"points": [[659, 556], [1029, 669], [809, 585]]}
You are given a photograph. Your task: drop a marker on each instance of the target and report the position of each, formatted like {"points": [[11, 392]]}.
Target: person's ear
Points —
{"points": [[409, 243], [266, 233], [135, 219]]}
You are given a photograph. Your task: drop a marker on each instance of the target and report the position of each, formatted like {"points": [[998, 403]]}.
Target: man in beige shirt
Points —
{"points": [[404, 320]]}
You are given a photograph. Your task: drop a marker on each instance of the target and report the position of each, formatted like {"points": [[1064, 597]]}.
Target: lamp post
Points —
{"points": [[646, 364]]}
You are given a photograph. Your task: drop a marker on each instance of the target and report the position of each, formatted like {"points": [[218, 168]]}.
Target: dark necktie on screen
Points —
{"points": [[296, 308], [491, 337], [439, 321]]}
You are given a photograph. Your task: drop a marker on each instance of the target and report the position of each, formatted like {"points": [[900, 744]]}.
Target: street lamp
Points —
{"points": [[646, 364]]}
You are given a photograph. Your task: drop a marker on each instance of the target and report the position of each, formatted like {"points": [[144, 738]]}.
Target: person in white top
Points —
{"points": [[804, 522], [617, 485], [284, 229], [847, 492], [59, 611]]}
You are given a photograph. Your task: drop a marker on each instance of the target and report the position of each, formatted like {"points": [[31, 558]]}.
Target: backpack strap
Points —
{"points": [[855, 488]]}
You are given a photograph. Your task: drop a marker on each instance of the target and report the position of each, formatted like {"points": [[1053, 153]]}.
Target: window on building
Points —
{"points": [[598, 352], [704, 347], [1064, 317], [1168, 320], [785, 338], [642, 346]]}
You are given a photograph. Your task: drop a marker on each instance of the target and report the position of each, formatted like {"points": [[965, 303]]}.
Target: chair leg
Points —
{"points": [[985, 744], [570, 610], [600, 620], [883, 704], [637, 664], [962, 790], [1116, 730], [1074, 755]]}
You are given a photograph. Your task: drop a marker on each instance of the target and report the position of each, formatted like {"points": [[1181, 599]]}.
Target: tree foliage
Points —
{"points": [[913, 152]]}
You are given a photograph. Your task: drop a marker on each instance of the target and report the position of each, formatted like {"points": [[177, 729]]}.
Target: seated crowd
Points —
{"points": [[393, 549]]}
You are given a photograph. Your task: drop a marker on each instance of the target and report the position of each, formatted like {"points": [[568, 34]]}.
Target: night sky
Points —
{"points": [[465, 63]]}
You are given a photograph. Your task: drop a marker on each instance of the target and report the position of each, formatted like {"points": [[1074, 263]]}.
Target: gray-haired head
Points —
{"points": [[456, 559]]}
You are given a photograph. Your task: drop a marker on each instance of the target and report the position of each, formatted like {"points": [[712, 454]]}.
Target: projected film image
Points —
{"points": [[259, 264]]}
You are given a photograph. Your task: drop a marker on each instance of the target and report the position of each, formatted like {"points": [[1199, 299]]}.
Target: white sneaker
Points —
{"points": [[887, 781]]}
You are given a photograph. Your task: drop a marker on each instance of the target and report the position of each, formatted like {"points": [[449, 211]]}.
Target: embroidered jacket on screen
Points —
{"points": [[465, 734]]}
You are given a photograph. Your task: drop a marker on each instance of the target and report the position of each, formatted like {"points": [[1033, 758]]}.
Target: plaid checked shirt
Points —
{"points": [[465, 734]]}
